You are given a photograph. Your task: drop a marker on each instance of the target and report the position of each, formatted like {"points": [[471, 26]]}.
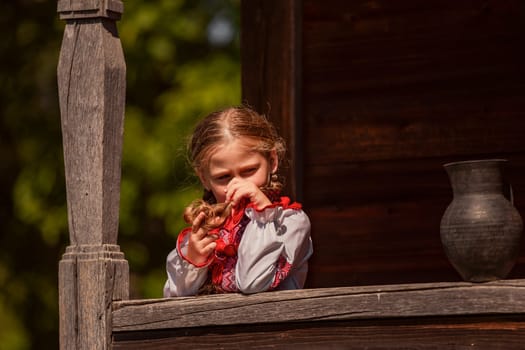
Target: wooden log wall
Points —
{"points": [[271, 67], [388, 92]]}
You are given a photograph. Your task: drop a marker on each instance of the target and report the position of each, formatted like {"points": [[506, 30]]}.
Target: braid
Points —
{"points": [[215, 213]]}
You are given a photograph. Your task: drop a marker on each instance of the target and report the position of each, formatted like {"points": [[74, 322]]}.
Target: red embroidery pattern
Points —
{"points": [[222, 263], [225, 259], [283, 270]]}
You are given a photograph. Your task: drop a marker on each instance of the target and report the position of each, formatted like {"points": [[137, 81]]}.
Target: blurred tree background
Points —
{"points": [[182, 62]]}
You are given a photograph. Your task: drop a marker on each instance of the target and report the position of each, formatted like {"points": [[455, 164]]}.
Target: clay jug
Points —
{"points": [[480, 229]]}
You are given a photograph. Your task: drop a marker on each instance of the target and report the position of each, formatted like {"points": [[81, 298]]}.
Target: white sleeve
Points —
{"points": [[274, 250], [184, 278]]}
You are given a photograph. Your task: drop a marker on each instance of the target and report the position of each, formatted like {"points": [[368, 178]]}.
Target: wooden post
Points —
{"points": [[91, 82], [263, 58]]}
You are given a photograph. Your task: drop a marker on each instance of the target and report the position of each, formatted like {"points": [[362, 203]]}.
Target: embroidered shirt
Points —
{"points": [[257, 250]]}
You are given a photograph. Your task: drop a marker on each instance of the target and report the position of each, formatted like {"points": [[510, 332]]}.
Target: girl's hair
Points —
{"points": [[219, 128]]}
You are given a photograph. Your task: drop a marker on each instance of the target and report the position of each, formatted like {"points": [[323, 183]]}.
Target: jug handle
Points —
{"points": [[510, 193]]}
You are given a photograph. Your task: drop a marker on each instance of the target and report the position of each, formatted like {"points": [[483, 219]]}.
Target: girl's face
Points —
{"points": [[236, 160]]}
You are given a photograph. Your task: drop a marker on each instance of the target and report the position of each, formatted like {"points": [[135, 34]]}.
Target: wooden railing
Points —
{"points": [[415, 316], [93, 273]]}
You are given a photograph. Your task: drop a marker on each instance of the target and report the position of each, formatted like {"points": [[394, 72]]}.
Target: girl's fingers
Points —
{"points": [[199, 219], [197, 223], [239, 189], [209, 248], [199, 235], [229, 191], [233, 189], [248, 190], [201, 239], [201, 247], [208, 239]]}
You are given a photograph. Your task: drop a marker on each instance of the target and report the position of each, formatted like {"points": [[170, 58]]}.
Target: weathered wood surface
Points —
{"points": [[392, 90], [91, 84], [75, 9], [382, 95], [414, 316], [271, 72], [488, 333], [324, 304]]}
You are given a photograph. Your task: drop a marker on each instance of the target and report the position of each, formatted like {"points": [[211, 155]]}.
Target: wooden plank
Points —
{"points": [[416, 125], [328, 304], [407, 179], [412, 79], [364, 182], [271, 73], [490, 333]]}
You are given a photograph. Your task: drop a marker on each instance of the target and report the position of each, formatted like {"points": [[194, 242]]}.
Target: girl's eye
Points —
{"points": [[249, 171], [222, 177]]}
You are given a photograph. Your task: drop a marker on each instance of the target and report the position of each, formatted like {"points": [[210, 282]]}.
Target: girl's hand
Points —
{"points": [[238, 189], [200, 243]]}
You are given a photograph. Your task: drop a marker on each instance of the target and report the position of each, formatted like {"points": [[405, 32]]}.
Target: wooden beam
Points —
{"points": [[480, 333], [324, 304], [411, 316], [271, 71], [91, 83]]}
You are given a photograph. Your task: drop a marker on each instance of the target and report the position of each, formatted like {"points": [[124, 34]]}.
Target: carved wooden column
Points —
{"points": [[91, 82]]}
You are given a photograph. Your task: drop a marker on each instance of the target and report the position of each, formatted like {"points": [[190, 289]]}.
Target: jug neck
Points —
{"points": [[479, 176]]}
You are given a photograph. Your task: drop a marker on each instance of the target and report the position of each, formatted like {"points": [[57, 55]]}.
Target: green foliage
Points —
{"points": [[175, 76]]}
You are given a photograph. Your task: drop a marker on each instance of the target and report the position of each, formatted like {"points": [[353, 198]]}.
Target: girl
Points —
{"points": [[243, 236]]}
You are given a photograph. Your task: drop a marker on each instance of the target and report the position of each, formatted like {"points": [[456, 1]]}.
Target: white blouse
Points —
{"points": [[271, 235]]}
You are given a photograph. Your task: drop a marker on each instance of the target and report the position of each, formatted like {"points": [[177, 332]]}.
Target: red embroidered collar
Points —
{"points": [[227, 243]]}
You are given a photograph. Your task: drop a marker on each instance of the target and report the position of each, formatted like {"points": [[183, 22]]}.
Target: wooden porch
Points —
{"points": [[373, 97]]}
